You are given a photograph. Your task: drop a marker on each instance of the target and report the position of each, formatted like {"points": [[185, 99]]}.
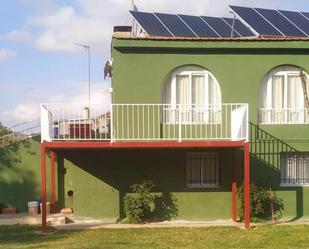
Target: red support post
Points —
{"points": [[43, 188], [247, 185], [52, 181], [234, 187]]}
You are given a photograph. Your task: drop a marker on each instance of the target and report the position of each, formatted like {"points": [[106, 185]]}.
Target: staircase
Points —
{"points": [[20, 132], [266, 147]]}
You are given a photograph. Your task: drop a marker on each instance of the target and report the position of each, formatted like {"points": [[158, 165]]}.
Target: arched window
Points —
{"points": [[192, 94], [282, 99]]}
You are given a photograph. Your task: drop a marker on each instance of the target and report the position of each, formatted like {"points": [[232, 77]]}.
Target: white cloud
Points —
{"points": [[201, 7], [22, 112], [17, 36], [60, 29], [72, 92], [92, 21], [6, 54]]}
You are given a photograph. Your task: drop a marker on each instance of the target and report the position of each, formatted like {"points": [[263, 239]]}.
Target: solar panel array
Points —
{"points": [[189, 26], [274, 22], [249, 22]]}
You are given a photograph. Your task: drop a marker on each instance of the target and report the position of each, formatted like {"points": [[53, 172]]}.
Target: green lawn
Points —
{"points": [[157, 238]]}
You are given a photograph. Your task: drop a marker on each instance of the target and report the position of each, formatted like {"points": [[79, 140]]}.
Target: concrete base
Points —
{"points": [[95, 224], [25, 219]]}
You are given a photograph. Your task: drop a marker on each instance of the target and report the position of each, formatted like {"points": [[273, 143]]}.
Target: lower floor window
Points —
{"points": [[294, 168], [202, 169]]}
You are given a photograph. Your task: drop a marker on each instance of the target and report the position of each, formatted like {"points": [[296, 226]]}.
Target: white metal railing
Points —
{"points": [[20, 132], [62, 121], [144, 122], [283, 116]]}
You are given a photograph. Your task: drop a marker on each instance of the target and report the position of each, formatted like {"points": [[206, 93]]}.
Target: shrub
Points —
{"points": [[165, 207], [138, 206], [260, 203]]}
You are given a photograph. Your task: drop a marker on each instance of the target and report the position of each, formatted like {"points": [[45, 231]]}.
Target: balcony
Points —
{"points": [[143, 122]]}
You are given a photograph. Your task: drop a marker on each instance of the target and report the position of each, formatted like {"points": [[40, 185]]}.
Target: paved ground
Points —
{"points": [[69, 222], [24, 218], [175, 223]]}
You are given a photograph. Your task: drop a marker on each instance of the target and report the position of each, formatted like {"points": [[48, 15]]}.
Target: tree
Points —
{"points": [[3, 130]]}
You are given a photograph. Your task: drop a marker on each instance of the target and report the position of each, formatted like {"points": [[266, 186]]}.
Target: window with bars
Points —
{"points": [[203, 169], [294, 168]]}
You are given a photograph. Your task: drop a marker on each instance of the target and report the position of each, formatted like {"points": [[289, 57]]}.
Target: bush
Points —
{"points": [[165, 207], [138, 206], [260, 203]]}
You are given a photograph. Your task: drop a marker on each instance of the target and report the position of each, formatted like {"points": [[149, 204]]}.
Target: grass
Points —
{"points": [[265, 236]]}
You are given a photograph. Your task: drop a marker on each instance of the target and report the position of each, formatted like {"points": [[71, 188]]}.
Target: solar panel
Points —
{"points": [[239, 27], [150, 24], [280, 22], [252, 21], [255, 21], [198, 26], [298, 19], [221, 27], [175, 25], [306, 14]]}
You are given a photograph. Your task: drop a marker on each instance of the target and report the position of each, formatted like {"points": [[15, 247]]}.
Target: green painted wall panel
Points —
{"points": [[20, 179], [101, 179], [204, 205]]}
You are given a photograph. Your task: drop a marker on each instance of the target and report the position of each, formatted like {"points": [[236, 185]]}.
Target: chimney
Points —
{"points": [[122, 31]]}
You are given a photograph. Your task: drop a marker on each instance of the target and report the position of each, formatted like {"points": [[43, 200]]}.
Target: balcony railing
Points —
{"points": [[144, 122], [284, 116]]}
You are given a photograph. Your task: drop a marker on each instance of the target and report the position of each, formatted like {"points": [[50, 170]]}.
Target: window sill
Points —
{"points": [[285, 185], [285, 123], [192, 123], [202, 186]]}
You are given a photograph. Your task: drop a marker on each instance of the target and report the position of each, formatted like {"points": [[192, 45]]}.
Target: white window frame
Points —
{"points": [[269, 111], [196, 157], [191, 71], [293, 181]]}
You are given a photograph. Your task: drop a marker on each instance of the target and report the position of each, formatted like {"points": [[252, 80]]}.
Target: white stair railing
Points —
{"points": [[21, 132]]}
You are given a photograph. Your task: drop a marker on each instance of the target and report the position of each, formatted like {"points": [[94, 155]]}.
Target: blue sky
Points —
{"points": [[39, 62]]}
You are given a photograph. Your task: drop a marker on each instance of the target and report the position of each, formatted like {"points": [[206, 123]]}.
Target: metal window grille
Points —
{"points": [[294, 167], [203, 169]]}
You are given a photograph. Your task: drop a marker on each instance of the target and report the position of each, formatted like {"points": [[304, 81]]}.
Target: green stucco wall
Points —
{"points": [[20, 177], [101, 179]]}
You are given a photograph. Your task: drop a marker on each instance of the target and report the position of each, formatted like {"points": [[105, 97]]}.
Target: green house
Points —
{"points": [[199, 116]]}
